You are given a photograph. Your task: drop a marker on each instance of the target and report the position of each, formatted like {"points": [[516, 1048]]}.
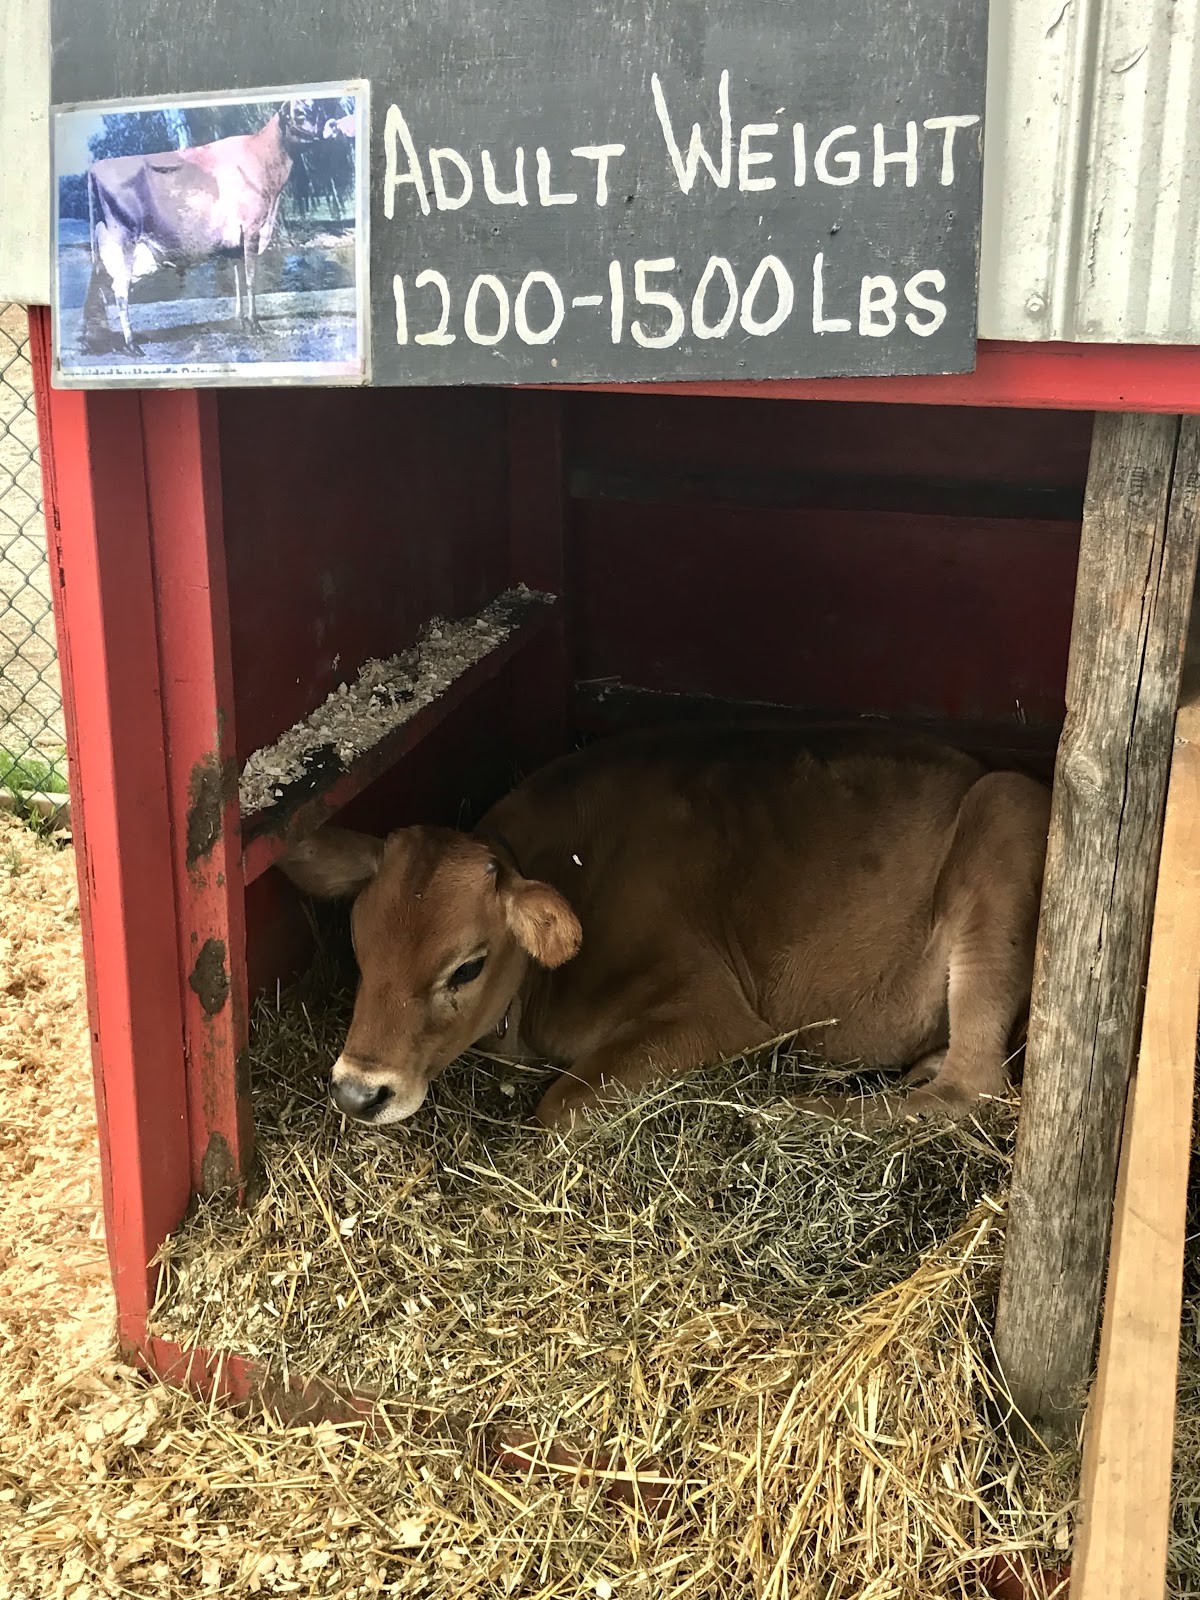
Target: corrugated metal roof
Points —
{"points": [[1092, 179], [1092, 176]]}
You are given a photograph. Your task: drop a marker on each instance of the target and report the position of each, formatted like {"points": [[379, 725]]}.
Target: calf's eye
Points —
{"points": [[465, 974]]}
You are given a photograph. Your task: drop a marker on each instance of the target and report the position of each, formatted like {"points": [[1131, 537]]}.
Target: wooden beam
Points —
{"points": [[1059, 377], [1126, 1488], [102, 572], [191, 597], [267, 834], [1133, 595]]}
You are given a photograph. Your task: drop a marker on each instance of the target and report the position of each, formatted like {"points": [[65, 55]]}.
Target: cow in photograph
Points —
{"points": [[660, 901], [188, 206]]}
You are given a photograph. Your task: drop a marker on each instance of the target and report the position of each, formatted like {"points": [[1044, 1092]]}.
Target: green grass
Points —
{"points": [[33, 774]]}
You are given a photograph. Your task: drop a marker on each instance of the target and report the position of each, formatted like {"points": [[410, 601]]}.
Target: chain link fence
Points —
{"points": [[32, 740]]}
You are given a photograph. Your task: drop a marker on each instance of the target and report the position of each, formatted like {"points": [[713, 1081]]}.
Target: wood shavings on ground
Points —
{"points": [[384, 696]]}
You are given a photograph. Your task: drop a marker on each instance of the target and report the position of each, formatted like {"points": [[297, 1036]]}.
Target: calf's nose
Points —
{"points": [[355, 1098]]}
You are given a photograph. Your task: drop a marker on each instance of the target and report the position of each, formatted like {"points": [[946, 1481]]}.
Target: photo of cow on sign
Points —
{"points": [[218, 241]]}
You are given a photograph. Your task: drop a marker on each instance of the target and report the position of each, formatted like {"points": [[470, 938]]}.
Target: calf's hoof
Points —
{"points": [[562, 1111], [940, 1103]]}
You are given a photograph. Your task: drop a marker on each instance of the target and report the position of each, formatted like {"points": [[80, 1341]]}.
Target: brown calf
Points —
{"points": [[659, 901]]}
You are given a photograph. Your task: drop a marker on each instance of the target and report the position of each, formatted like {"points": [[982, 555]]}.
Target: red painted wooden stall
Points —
{"points": [[224, 560]]}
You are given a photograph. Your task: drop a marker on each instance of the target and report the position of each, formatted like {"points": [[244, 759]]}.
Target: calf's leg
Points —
{"points": [[985, 920], [698, 1027]]}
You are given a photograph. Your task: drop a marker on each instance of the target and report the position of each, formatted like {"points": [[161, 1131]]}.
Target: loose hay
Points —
{"points": [[769, 1334]]}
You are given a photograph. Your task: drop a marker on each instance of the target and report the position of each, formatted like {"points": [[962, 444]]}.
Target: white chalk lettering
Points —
{"points": [[401, 309], [439, 334], [601, 154], [498, 197], [395, 132], [701, 327], [801, 159], [822, 323], [848, 160], [686, 170], [545, 194], [949, 126], [445, 200], [748, 158], [616, 300], [876, 300], [521, 309], [937, 311], [485, 280], [907, 156], [646, 296], [784, 289]]}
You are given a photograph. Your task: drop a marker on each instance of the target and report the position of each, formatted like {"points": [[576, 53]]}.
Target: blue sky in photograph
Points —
{"points": [[72, 131]]}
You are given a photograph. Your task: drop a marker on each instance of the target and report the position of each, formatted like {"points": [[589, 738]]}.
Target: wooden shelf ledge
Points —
{"points": [[289, 788]]}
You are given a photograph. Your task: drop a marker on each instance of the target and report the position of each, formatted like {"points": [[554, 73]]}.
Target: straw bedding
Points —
{"points": [[768, 1334], [771, 1336]]}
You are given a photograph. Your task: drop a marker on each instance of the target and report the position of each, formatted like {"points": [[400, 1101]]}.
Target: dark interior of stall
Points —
{"points": [[831, 561]]}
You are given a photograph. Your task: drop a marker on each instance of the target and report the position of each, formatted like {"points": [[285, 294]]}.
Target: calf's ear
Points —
{"points": [[541, 921], [333, 864]]}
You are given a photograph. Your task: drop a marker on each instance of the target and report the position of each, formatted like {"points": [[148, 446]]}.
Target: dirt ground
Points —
{"points": [[111, 1486]]}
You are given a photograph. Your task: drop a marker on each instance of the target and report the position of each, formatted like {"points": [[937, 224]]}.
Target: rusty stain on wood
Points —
{"points": [[217, 1171], [209, 978], [211, 786]]}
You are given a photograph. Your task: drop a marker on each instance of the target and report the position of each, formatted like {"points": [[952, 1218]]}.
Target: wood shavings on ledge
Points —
{"points": [[383, 697]]}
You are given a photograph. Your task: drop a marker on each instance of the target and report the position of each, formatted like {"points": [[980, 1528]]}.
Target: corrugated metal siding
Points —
{"points": [[1092, 184], [1092, 187], [25, 151]]}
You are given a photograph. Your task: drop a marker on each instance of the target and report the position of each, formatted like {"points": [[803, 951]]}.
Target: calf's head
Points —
{"points": [[443, 930]]}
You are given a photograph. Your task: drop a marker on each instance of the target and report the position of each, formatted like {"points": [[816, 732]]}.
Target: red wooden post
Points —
{"points": [[183, 481], [540, 680], [104, 603]]}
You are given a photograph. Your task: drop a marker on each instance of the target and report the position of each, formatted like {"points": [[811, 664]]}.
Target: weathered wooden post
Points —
{"points": [[1133, 598]]}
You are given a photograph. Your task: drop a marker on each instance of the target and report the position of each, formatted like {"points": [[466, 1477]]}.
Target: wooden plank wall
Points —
{"points": [[350, 518], [915, 562]]}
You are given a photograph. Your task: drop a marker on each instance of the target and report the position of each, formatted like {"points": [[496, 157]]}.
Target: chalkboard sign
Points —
{"points": [[493, 191]]}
